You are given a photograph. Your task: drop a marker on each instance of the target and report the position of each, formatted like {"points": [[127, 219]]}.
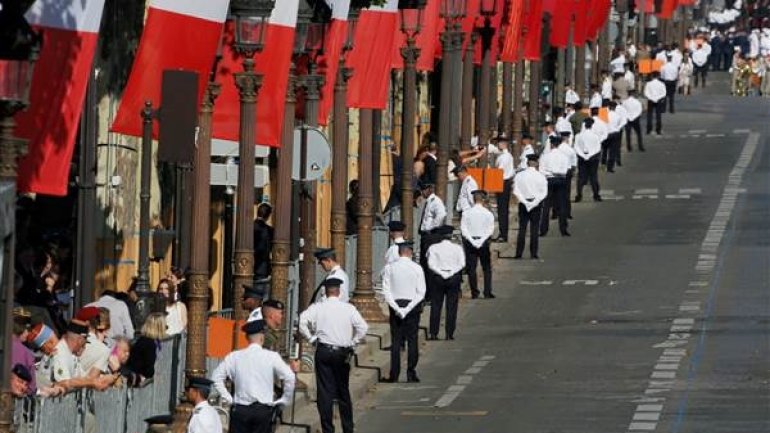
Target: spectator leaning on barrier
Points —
{"points": [[20, 354], [141, 361]]}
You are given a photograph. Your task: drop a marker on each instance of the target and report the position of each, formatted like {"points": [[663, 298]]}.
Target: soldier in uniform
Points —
{"points": [[335, 327], [272, 314], [253, 371], [477, 225], [327, 259], [205, 418]]}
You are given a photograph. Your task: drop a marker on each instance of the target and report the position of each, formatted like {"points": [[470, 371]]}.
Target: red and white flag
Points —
{"points": [[371, 57], [273, 63], [534, 36], [178, 34], [70, 30], [336, 35], [512, 39]]}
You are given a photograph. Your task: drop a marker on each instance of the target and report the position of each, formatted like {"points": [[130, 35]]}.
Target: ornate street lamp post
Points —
{"points": [[251, 19], [487, 9], [411, 23], [19, 49], [452, 11]]}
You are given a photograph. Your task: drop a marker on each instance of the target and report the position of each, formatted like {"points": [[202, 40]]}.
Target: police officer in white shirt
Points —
{"points": [[566, 148], [588, 147], [205, 418], [396, 232], [446, 261], [476, 226], [700, 62], [570, 96], [526, 150], [505, 163], [433, 216], [554, 165], [335, 327], [468, 185], [327, 258], [403, 287], [669, 74], [252, 301], [611, 152], [634, 117], [252, 372], [655, 92], [531, 188], [596, 97]]}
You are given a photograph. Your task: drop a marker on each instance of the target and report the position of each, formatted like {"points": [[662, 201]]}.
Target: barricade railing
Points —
{"points": [[116, 410]]}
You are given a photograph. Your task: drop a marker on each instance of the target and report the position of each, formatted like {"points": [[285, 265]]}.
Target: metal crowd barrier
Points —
{"points": [[117, 410]]}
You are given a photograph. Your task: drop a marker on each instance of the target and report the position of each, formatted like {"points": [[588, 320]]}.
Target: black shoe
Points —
{"points": [[390, 379], [569, 217], [619, 165], [553, 217], [501, 239], [598, 198], [628, 149], [535, 257], [412, 378], [475, 296], [543, 234], [578, 198], [641, 149], [517, 257], [432, 337], [489, 296], [450, 337], [609, 170], [565, 233]]}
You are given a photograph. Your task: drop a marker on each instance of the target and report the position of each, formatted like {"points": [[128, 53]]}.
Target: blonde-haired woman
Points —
{"points": [[144, 352]]}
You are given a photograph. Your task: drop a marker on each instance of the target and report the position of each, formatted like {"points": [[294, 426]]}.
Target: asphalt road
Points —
{"points": [[653, 316]]}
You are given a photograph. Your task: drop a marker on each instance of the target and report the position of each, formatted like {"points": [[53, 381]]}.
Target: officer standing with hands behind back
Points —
{"points": [[476, 226], [403, 287], [335, 327]]}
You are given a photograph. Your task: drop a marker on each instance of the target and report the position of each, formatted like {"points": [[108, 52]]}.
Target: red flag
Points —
{"points": [[426, 40], [512, 37], [582, 17], [667, 9], [70, 30], [561, 20], [646, 6], [329, 62], [534, 26], [273, 63], [168, 43], [600, 13], [495, 22], [371, 57]]}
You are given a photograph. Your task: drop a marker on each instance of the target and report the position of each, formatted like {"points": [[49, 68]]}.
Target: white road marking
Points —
{"points": [[690, 191], [536, 283], [583, 282], [667, 367], [714, 135], [462, 381], [647, 416], [741, 131], [663, 375], [643, 426], [637, 197], [487, 357], [473, 370], [649, 408], [643, 191], [678, 196], [481, 363], [697, 131]]}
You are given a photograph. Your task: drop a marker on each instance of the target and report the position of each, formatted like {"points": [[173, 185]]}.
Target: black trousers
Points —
{"points": [[450, 289], [588, 170], [604, 154], [613, 150], [255, 418], [426, 240], [557, 199], [472, 257], [568, 204], [657, 109], [699, 73], [634, 126], [503, 204], [529, 218], [670, 94], [332, 367], [400, 330]]}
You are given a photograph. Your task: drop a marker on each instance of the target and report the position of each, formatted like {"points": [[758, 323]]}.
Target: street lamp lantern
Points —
{"points": [[304, 19], [251, 18], [452, 9], [487, 8], [19, 50], [411, 22]]}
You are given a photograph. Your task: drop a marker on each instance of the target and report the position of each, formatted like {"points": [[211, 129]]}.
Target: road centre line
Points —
{"points": [[462, 381]]}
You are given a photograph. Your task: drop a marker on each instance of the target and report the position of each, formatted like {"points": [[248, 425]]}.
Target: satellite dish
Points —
{"points": [[319, 153]]}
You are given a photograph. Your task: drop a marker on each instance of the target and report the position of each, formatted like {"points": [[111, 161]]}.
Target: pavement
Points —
{"points": [[652, 317]]}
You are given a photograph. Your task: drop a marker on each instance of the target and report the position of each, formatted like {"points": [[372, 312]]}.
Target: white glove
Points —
{"points": [[402, 312]]}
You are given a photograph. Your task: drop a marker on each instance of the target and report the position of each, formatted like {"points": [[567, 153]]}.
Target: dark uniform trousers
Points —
{"points": [[657, 108], [332, 366], [700, 72], [400, 330], [254, 418], [613, 156], [588, 170], [557, 198], [503, 208], [570, 175], [529, 218], [670, 94], [472, 257], [448, 288], [636, 126], [426, 240]]}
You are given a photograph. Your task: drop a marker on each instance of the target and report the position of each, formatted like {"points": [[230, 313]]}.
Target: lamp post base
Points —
{"points": [[369, 308]]}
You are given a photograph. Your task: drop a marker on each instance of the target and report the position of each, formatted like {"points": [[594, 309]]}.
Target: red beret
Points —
{"points": [[87, 313]]}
